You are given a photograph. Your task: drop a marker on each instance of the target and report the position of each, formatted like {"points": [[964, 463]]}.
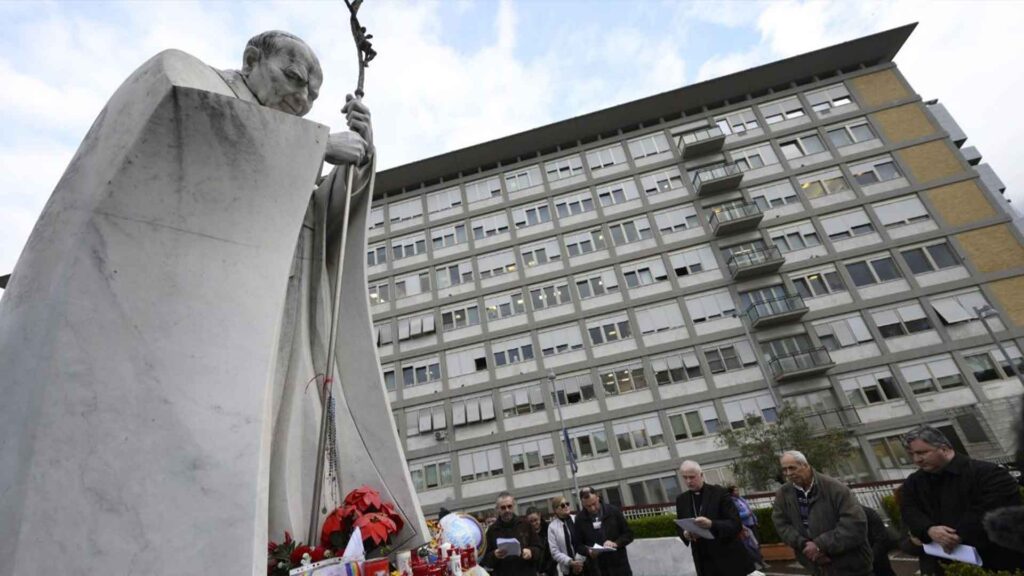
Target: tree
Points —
{"points": [[760, 445]]}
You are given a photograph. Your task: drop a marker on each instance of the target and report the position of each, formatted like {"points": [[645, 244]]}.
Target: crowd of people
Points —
{"points": [[944, 503]]}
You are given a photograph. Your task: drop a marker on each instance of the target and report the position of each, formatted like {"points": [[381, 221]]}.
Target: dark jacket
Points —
{"points": [[958, 497], [725, 555], [520, 529], [612, 527], [836, 524]]}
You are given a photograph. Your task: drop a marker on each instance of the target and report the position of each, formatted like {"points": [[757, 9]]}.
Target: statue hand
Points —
{"points": [[357, 115], [346, 148]]}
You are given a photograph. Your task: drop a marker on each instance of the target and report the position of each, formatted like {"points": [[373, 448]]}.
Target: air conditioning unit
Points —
{"points": [[441, 435]]}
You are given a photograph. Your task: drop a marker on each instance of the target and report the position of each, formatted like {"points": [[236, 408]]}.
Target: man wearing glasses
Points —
{"points": [[504, 560]]}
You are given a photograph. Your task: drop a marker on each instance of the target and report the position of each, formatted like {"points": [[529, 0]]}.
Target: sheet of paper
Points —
{"points": [[599, 548], [962, 553], [355, 549], [510, 545], [690, 526]]}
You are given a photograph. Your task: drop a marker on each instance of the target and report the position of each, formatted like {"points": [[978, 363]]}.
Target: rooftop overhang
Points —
{"points": [[869, 50]]}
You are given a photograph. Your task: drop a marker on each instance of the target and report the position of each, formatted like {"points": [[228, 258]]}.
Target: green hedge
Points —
{"points": [[654, 526], [766, 532], [961, 569], [893, 512]]}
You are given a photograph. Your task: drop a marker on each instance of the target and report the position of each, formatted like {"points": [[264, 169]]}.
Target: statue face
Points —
{"points": [[288, 79]]}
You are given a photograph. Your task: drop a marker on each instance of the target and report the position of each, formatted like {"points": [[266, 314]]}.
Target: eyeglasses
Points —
{"points": [[563, 505]]}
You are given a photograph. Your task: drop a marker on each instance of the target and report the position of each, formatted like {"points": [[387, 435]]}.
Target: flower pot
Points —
{"points": [[777, 552]]}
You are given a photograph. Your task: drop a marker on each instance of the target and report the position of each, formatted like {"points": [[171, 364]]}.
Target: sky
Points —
{"points": [[454, 73]]}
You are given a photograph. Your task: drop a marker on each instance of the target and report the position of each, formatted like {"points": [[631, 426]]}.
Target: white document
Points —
{"points": [[599, 548], [510, 545], [962, 553], [690, 526], [354, 548]]}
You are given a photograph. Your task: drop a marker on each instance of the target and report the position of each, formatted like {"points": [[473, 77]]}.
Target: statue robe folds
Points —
{"points": [[151, 397]]}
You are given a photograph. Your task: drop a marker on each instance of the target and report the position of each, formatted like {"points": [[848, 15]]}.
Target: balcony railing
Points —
{"points": [[710, 180], [746, 264], [701, 142], [776, 311], [735, 219], [803, 363]]}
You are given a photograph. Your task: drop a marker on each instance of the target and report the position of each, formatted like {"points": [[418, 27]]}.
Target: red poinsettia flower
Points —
{"points": [[363, 499], [376, 526], [389, 509], [296, 556]]}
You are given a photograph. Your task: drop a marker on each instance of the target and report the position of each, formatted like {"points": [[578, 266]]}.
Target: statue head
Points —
{"points": [[282, 72]]}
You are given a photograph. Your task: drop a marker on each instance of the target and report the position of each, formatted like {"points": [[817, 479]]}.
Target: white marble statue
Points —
{"points": [[160, 331]]}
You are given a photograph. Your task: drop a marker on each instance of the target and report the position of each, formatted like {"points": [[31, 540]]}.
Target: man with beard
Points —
{"points": [[508, 525]]}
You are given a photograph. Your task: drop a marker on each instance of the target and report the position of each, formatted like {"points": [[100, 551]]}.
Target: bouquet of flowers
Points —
{"points": [[291, 554], [377, 521]]}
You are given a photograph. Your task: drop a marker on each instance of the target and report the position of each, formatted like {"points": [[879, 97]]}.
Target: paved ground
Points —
{"points": [[902, 564]]}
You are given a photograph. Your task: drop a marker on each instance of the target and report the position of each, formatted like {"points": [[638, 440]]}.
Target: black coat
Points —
{"points": [[520, 529], [612, 527], [958, 497], [725, 555]]}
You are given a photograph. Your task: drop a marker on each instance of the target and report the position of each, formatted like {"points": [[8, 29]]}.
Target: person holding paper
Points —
{"points": [[512, 544], [945, 500], [714, 514], [560, 536], [603, 533]]}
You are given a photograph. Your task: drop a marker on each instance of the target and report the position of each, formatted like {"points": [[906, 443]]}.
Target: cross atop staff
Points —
{"points": [[364, 48]]}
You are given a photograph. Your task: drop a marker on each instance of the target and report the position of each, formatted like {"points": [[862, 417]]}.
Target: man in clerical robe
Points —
{"points": [[161, 329]]}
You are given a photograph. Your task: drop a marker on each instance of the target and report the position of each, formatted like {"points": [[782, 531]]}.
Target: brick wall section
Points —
{"points": [[992, 249], [930, 161], [1009, 294], [960, 203], [903, 123], [879, 88]]}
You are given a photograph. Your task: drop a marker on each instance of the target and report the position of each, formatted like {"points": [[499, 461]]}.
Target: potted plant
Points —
{"points": [[772, 548]]}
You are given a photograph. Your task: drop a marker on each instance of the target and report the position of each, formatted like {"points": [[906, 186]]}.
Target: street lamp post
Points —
{"points": [[565, 439], [987, 311]]}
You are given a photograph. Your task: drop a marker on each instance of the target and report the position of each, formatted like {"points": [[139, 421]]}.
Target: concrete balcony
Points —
{"points": [[701, 142], [800, 364], [776, 311], [755, 263], [708, 181], [735, 219]]}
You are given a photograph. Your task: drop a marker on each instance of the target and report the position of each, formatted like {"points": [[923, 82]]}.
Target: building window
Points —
{"points": [[843, 332], [693, 261], [448, 236], [466, 411], [541, 252], [608, 330], [520, 400], [573, 204], [589, 442], [627, 231], [483, 463], [655, 490], [460, 316], [694, 422], [901, 320], [754, 157], [415, 326], [874, 171], [817, 283], [377, 254], [953, 309], [421, 371], [548, 295], [774, 195], [873, 271], [781, 110], [425, 419], [868, 388], [925, 259], [584, 242], [677, 219], [847, 224], [644, 273], [801, 146], [932, 374], [443, 200], [992, 364], [649, 145], [465, 361], [531, 215], [454, 274], [890, 452], [737, 122], [496, 263], [783, 347], [659, 317], [409, 246], [662, 181], [564, 168], [376, 218], [676, 367], [901, 212], [531, 453], [606, 157], [617, 193], [483, 190], [825, 99], [762, 295], [741, 411], [597, 283], [622, 379], [413, 284], [574, 389], [823, 183], [794, 237], [380, 293], [389, 377], [710, 306], [560, 340], [430, 475], [513, 350], [729, 356], [490, 225], [638, 433], [522, 178], [405, 210], [384, 333], [504, 305], [853, 133]]}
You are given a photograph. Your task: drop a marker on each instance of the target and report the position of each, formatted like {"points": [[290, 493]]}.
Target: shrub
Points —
{"points": [[892, 510], [766, 532], [961, 569], [661, 526]]}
